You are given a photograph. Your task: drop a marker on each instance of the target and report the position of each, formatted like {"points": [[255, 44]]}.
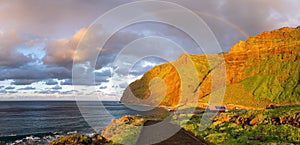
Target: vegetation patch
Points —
{"points": [[271, 126], [82, 140], [125, 130]]}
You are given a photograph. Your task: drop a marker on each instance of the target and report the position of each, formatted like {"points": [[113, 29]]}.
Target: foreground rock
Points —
{"points": [[82, 140]]}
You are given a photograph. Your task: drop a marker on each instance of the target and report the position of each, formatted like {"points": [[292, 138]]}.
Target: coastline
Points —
{"points": [[241, 125]]}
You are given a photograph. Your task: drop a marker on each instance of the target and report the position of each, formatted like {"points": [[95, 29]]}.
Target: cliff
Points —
{"points": [[261, 70]]}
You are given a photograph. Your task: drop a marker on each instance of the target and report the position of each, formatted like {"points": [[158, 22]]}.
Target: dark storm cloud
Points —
{"points": [[102, 77], [23, 82], [47, 92], [29, 73], [68, 92], [51, 82], [34, 73], [12, 92], [58, 72], [27, 88], [10, 88], [103, 87], [56, 88]]}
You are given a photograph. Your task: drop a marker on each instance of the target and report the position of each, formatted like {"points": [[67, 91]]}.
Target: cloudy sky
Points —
{"points": [[38, 40]]}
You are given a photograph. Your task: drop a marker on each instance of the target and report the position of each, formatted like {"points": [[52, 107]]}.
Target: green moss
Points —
{"points": [[226, 130], [276, 81], [125, 130]]}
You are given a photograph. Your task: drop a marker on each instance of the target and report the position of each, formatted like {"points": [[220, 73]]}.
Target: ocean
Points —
{"points": [[38, 122]]}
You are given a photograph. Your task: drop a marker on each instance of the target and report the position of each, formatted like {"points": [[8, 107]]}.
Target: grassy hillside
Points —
{"points": [[261, 70], [271, 126]]}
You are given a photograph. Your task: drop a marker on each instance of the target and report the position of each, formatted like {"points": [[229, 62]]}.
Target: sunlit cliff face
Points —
{"points": [[259, 70]]}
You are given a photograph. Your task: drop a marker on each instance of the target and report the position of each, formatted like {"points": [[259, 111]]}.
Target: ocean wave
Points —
{"points": [[36, 139]]}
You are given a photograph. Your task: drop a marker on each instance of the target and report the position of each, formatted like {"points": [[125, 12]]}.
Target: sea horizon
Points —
{"points": [[40, 121]]}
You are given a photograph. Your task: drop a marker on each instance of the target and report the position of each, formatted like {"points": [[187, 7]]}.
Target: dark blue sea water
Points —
{"points": [[38, 122]]}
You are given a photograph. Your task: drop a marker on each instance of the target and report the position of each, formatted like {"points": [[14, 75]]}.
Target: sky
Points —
{"points": [[38, 40]]}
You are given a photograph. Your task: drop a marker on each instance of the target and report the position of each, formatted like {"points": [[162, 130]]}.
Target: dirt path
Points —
{"points": [[155, 132]]}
